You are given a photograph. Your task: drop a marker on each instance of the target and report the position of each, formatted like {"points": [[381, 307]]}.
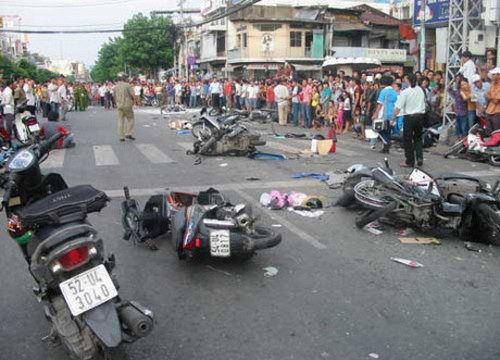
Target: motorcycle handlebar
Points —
{"points": [[46, 145]]}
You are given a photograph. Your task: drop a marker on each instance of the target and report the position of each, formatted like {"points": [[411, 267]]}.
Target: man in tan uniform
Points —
{"points": [[124, 97]]}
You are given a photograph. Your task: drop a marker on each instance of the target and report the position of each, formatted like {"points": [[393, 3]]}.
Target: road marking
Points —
{"points": [[222, 187], [485, 173], [300, 233], [104, 155], [55, 159], [186, 145], [155, 155]]}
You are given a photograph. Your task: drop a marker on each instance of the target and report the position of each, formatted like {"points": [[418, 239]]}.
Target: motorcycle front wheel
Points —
{"points": [[491, 220], [201, 131]]}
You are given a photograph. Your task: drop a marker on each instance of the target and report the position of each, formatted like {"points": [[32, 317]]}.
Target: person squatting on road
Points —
{"points": [[124, 96], [411, 103]]}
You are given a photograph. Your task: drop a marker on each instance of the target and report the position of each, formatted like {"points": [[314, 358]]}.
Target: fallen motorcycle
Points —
{"points": [[454, 201], [66, 258], [224, 136], [200, 224], [474, 147]]}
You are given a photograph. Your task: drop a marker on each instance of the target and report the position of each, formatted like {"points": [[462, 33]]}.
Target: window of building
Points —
{"points": [[267, 27], [221, 42], [295, 38], [356, 41], [406, 12], [238, 40], [245, 40]]}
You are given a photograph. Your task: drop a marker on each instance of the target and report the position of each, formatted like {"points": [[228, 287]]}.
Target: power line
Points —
{"points": [[34, 5], [104, 31]]}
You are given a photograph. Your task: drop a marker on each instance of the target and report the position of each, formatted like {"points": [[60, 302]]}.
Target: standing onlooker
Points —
{"points": [[178, 93], [468, 96], [124, 95], [29, 91], [461, 122], [63, 96], [19, 95], [102, 94], [493, 97], [468, 68], [305, 103], [44, 100], [243, 96], [479, 90], [8, 107], [385, 109], [270, 100], [228, 93], [281, 95], [215, 93], [54, 98], [137, 94], [295, 90], [252, 92], [347, 111], [411, 103]]}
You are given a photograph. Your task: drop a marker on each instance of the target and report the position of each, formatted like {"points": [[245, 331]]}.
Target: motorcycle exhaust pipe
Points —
{"points": [[137, 319]]}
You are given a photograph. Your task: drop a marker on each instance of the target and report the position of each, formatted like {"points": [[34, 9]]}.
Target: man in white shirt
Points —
{"points": [[237, 94], [54, 98], [468, 68], [281, 96], [243, 96], [102, 94], [411, 103], [30, 96], [215, 92], [63, 96], [8, 107], [178, 93], [252, 96]]}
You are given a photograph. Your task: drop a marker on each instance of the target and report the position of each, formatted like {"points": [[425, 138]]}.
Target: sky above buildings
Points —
{"points": [[63, 14]]}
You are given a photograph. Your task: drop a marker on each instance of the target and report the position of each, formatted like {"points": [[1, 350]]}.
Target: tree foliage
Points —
{"points": [[24, 68], [137, 51]]}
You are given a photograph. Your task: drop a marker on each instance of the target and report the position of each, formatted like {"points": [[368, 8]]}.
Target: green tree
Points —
{"points": [[23, 68], [144, 51]]}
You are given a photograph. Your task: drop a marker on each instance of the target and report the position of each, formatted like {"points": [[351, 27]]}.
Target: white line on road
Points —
{"points": [[104, 155], [294, 229], [222, 187], [155, 155], [55, 159]]}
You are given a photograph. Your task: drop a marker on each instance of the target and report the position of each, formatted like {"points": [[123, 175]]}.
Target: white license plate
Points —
{"points": [[34, 128], [220, 243], [87, 290]]}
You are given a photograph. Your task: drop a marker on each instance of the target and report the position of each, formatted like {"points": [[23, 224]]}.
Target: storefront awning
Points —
{"points": [[334, 61], [300, 67], [263, 66]]}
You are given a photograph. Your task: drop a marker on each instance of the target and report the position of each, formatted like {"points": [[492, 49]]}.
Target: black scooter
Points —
{"points": [[66, 258]]}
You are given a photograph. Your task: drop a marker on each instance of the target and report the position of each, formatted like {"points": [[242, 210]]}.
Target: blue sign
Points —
{"points": [[435, 12]]}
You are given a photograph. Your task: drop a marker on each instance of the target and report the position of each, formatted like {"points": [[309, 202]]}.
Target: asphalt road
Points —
{"points": [[337, 294]]}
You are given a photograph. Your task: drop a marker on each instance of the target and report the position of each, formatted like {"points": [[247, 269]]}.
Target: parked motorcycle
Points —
{"points": [[150, 101], [66, 258], [26, 127], [474, 147], [200, 224], [420, 200], [223, 136]]}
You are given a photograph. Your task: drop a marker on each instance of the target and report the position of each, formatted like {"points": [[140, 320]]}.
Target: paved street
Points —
{"points": [[337, 294]]}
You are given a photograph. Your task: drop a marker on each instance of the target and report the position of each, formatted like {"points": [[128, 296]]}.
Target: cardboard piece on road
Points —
{"points": [[420, 240], [321, 147]]}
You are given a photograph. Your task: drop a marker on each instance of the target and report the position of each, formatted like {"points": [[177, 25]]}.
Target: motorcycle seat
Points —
{"points": [[64, 206]]}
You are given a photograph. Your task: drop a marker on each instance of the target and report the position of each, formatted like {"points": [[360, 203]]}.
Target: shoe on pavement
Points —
{"points": [[420, 163], [405, 165], [122, 140], [130, 137]]}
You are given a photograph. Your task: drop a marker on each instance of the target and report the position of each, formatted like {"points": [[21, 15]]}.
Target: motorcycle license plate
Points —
{"points": [[220, 243], [34, 127], [87, 290]]}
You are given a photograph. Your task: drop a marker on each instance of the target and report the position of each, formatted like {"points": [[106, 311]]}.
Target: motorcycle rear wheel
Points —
{"points": [[455, 149], [200, 129], [368, 194], [494, 160]]}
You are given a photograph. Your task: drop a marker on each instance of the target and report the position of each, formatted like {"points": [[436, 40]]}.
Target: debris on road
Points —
{"points": [[405, 232], [276, 225], [420, 240], [471, 247], [183, 132], [410, 263], [307, 213], [251, 178], [374, 228], [373, 355], [270, 271], [219, 271], [223, 165], [318, 176], [335, 180], [267, 156]]}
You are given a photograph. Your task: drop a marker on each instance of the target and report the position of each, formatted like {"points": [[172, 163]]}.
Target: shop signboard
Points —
{"points": [[434, 12]]}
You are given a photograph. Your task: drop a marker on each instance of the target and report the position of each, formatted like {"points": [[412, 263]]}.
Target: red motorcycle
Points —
{"points": [[474, 147]]}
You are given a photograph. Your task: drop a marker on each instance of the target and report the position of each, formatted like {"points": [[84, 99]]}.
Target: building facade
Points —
{"points": [[13, 46]]}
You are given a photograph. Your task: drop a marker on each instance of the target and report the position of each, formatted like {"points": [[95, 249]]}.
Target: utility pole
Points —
{"points": [[184, 37], [422, 36]]}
